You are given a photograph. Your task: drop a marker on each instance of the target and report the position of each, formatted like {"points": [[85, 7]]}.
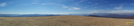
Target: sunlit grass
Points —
{"points": [[63, 21]]}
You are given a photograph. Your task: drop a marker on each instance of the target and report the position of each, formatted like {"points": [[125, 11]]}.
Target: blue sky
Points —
{"points": [[65, 6]]}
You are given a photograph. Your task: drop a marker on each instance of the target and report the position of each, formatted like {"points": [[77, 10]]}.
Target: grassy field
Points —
{"points": [[64, 21]]}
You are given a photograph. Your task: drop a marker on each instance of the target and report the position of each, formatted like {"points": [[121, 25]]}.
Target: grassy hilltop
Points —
{"points": [[64, 21]]}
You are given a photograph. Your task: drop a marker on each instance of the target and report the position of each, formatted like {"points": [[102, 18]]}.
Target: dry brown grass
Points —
{"points": [[64, 21]]}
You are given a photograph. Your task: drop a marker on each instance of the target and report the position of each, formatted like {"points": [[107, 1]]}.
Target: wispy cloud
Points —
{"points": [[63, 6], [77, 3], [96, 10], [120, 11], [112, 11], [95, 7], [82, 0], [43, 3], [132, 4], [89, 2], [10, 2], [96, 3], [119, 7], [34, 3], [74, 8], [57, 13], [2, 4]]}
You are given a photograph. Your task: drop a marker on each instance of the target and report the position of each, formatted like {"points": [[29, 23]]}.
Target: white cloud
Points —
{"points": [[119, 7], [2, 4], [120, 11], [113, 11], [63, 6], [74, 8]]}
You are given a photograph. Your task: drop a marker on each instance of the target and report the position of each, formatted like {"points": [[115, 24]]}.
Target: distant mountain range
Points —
{"points": [[25, 15], [34, 15], [109, 15]]}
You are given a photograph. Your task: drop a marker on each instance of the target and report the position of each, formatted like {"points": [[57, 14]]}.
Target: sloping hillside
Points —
{"points": [[64, 21], [131, 17]]}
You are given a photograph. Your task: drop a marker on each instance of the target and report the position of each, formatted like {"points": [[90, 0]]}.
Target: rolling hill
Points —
{"points": [[64, 21]]}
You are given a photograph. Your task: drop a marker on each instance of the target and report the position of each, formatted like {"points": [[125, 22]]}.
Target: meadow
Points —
{"points": [[64, 21]]}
